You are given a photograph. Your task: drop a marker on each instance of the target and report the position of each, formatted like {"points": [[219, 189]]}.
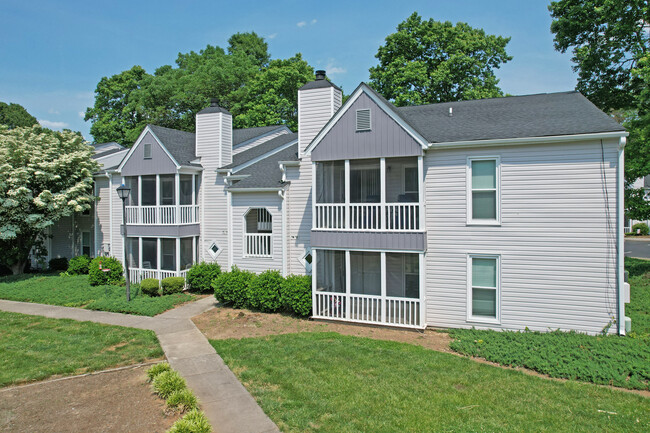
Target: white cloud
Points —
{"points": [[272, 36], [334, 70], [53, 125], [81, 114], [53, 111], [302, 24], [314, 21]]}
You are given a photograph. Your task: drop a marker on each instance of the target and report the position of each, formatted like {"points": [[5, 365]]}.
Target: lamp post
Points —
{"points": [[123, 192]]}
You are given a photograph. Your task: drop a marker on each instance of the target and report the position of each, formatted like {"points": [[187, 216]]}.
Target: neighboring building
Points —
{"points": [[499, 213]]}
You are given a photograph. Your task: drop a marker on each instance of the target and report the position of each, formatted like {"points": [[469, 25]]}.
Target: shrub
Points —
{"points": [[201, 275], [233, 286], [97, 276], [182, 400], [172, 285], [150, 286], [79, 265], [642, 228], [264, 292], [193, 422], [58, 264], [168, 382], [295, 294], [155, 370]]}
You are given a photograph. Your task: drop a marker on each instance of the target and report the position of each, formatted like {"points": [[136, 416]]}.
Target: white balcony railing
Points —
{"points": [[258, 245], [136, 275], [393, 311], [368, 216], [162, 215]]}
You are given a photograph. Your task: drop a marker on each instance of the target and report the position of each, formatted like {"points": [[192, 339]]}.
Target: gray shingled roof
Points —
{"points": [[261, 149], [266, 173], [241, 135], [319, 84], [179, 143], [213, 109], [107, 152], [541, 115]]}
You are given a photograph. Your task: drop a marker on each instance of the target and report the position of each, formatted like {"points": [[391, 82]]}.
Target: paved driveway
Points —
{"points": [[639, 248]]}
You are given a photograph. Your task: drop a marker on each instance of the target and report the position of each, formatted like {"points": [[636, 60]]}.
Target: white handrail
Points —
{"points": [[258, 245], [392, 217], [162, 215]]}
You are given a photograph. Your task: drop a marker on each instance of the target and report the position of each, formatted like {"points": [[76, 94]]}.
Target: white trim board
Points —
{"points": [[137, 143]]}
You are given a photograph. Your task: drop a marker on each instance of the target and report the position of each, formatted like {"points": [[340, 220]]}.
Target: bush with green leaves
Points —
{"points": [[105, 270], [79, 265], [232, 287], [182, 400], [200, 276], [171, 285], [150, 286], [168, 382], [264, 292], [58, 264], [295, 294], [641, 228], [194, 421], [155, 370]]}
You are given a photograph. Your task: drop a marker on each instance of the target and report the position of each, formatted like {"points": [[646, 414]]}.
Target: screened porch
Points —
{"points": [[160, 257]]}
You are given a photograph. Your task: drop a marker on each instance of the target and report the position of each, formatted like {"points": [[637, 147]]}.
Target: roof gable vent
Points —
{"points": [[363, 119]]}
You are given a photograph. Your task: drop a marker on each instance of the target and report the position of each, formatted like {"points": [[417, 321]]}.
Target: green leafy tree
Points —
{"points": [[44, 175], [428, 61], [271, 96], [251, 45], [15, 115]]}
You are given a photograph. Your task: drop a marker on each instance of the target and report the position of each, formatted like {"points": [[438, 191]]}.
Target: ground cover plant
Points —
{"points": [[75, 291], [35, 347], [326, 382]]}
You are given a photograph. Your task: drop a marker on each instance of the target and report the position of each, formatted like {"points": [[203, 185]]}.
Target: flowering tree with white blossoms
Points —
{"points": [[44, 175]]}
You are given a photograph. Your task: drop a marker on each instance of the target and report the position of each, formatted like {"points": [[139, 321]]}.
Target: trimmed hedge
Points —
{"points": [[98, 277], [150, 286], [642, 227], [171, 285], [232, 287], [264, 292], [79, 265], [295, 294], [58, 264], [200, 276]]}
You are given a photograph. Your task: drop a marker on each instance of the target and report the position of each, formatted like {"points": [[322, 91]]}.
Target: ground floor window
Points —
{"points": [[483, 287], [403, 275], [365, 273], [331, 271], [85, 243], [162, 253]]}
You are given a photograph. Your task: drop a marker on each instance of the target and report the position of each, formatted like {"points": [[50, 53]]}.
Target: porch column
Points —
{"points": [[383, 286], [382, 192], [157, 216], [421, 200], [193, 249], [139, 253], [138, 214], [195, 213], [348, 215], [178, 254], [159, 259], [422, 291], [177, 198], [313, 195], [314, 310], [348, 284]]}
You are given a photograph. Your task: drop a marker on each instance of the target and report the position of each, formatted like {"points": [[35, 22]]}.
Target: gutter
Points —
{"points": [[273, 189], [526, 140], [623, 287]]}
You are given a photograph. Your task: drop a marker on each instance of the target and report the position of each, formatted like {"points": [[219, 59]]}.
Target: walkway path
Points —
{"points": [[225, 401]]}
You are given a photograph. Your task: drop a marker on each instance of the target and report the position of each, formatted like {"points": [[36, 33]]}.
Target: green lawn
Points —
{"points": [[639, 309], [326, 382], [35, 347], [76, 292]]}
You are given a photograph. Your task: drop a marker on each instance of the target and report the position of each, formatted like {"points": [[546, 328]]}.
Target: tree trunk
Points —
{"points": [[18, 267]]}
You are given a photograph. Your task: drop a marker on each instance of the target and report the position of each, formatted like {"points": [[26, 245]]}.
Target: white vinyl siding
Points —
{"points": [[483, 276], [556, 241], [483, 184]]}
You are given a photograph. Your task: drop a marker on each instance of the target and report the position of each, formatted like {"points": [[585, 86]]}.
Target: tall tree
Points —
{"points": [[251, 45], [271, 97], [44, 175], [15, 115], [428, 61]]}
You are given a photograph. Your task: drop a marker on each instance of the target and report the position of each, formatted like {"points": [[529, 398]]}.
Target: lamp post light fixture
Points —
{"points": [[123, 192]]}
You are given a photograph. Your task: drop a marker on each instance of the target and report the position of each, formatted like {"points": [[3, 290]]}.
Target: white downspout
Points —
{"points": [[620, 262], [284, 233], [110, 205]]}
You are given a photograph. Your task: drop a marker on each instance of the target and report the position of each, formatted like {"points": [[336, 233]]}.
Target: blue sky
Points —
{"points": [[54, 52]]}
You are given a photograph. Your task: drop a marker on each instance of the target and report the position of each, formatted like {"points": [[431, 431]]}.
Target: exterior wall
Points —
{"points": [[117, 249], [415, 242], [241, 203], [386, 138], [315, 108], [102, 215], [252, 143], [160, 163], [557, 238]]}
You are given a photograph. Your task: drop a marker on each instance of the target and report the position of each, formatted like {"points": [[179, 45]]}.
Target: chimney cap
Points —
{"points": [[214, 102], [213, 108], [320, 74]]}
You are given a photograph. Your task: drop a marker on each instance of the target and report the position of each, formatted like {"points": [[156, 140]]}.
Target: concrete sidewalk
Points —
{"points": [[227, 404]]}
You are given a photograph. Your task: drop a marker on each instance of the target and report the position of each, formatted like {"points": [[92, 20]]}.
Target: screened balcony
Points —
{"points": [[258, 236], [163, 199], [369, 195], [160, 257], [369, 287]]}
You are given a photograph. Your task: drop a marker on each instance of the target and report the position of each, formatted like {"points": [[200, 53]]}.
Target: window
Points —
{"points": [[85, 243], [365, 185], [411, 180], [185, 182], [403, 275], [149, 253], [148, 191], [258, 233], [186, 253], [167, 190], [330, 274], [363, 119], [132, 183], [365, 273], [146, 149], [483, 191], [133, 249], [306, 261], [483, 295], [214, 249], [168, 247]]}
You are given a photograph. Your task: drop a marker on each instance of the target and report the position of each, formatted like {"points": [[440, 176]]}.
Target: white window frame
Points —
{"points": [[305, 263], [356, 120], [245, 252], [483, 319], [212, 253], [145, 147], [469, 190]]}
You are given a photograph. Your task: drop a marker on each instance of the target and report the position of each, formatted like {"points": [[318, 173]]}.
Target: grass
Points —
{"points": [[326, 382], [74, 291], [609, 360], [35, 347]]}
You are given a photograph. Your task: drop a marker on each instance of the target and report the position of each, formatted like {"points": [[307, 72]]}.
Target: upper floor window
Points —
{"points": [[147, 150], [363, 119], [483, 197]]}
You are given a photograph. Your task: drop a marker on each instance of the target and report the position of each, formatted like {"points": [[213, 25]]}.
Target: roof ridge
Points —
{"points": [[566, 92]]}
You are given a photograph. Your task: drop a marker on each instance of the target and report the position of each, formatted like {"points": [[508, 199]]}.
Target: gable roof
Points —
{"points": [[261, 149], [241, 135], [266, 173], [180, 144]]}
